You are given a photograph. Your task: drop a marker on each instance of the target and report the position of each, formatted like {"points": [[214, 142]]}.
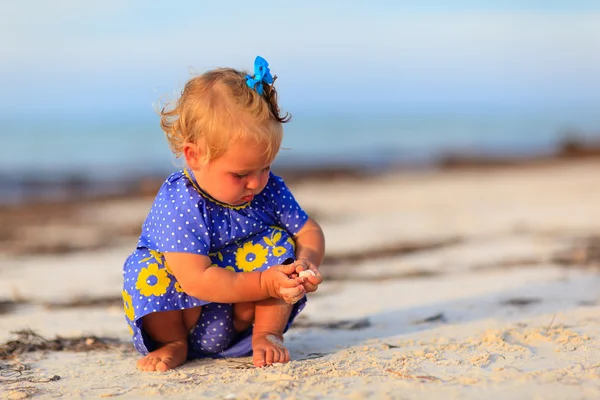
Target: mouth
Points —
{"points": [[246, 199]]}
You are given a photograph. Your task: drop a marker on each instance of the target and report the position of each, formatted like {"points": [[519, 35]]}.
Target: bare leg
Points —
{"points": [[170, 329], [271, 317], [243, 316]]}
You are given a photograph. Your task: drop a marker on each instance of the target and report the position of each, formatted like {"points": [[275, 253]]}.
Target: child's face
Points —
{"points": [[238, 175]]}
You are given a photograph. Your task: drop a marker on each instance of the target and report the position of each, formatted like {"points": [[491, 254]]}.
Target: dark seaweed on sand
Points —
{"points": [[28, 341]]}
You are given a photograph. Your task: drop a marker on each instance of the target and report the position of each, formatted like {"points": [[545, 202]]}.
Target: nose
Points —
{"points": [[253, 182]]}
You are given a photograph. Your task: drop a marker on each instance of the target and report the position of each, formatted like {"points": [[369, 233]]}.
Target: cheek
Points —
{"points": [[235, 185], [263, 181]]}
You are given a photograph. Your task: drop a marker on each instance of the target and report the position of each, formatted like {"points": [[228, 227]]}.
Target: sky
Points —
{"points": [[118, 56]]}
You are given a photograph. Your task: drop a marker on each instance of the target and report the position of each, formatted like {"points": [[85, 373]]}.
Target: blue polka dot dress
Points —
{"points": [[184, 219]]}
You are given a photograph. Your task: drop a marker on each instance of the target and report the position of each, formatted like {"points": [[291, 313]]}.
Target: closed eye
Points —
{"points": [[242, 176]]}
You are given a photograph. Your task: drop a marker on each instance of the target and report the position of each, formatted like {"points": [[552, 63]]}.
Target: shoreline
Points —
{"points": [[42, 189], [83, 222]]}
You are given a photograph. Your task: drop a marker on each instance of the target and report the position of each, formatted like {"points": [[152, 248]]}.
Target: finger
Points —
{"points": [[310, 288], [290, 283], [287, 269], [289, 294], [302, 264], [298, 297], [289, 299], [315, 280]]}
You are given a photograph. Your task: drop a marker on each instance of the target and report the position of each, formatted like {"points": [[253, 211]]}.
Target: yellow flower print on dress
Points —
{"points": [[128, 305], [230, 268], [279, 251], [130, 330], [250, 256], [158, 257], [152, 281], [275, 239], [178, 287], [278, 230], [217, 254], [168, 269]]}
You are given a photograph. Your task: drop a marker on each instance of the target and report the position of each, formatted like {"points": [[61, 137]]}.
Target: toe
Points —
{"points": [[259, 358], [276, 356], [167, 357], [285, 357], [140, 364], [151, 364], [163, 365], [269, 356], [144, 363]]}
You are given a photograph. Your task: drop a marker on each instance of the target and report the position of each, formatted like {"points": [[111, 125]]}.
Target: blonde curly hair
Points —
{"points": [[218, 107]]}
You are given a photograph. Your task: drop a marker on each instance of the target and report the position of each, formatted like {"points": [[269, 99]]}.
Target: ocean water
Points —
{"points": [[122, 146]]}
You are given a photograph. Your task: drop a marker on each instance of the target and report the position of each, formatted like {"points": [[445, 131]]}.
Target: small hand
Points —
{"points": [[280, 285], [310, 283]]}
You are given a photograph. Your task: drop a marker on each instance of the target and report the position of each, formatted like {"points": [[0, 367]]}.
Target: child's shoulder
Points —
{"points": [[178, 180], [177, 177], [178, 190]]}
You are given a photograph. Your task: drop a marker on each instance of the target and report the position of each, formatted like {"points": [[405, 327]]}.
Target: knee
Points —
{"points": [[244, 312], [191, 316]]}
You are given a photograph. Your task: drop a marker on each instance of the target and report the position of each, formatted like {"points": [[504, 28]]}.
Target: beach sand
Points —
{"points": [[467, 283]]}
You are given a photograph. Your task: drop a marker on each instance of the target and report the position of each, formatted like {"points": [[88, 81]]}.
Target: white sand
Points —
{"points": [[509, 225]]}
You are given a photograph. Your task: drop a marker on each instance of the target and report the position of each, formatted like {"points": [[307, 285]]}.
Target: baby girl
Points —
{"points": [[216, 271]]}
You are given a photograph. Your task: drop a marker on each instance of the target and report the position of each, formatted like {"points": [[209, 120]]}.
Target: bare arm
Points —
{"points": [[310, 243], [310, 251], [198, 279]]}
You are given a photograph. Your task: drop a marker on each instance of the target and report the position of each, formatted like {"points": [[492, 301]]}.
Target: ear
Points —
{"points": [[194, 156]]}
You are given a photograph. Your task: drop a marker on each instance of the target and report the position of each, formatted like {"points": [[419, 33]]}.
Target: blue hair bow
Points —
{"points": [[261, 74]]}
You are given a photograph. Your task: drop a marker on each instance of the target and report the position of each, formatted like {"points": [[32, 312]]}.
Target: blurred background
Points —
{"points": [[370, 84], [449, 149]]}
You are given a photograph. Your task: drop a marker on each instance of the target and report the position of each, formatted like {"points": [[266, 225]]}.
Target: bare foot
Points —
{"points": [[268, 349], [169, 356]]}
